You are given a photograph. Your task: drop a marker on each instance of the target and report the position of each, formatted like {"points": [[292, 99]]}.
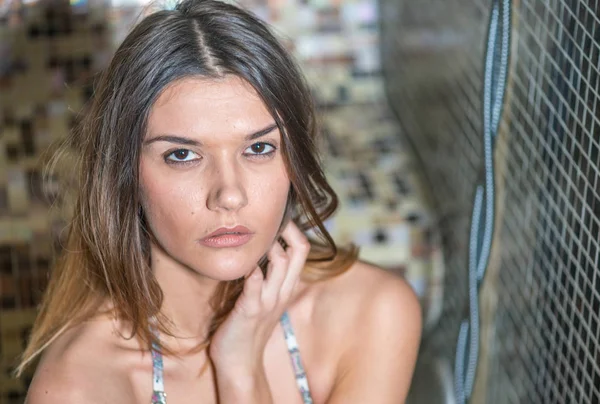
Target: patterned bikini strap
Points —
{"points": [[159, 396], [158, 384], [292, 345]]}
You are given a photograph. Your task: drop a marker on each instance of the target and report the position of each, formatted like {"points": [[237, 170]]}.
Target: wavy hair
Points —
{"points": [[107, 252]]}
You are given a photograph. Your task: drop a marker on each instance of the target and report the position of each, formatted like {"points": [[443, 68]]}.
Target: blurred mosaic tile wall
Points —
{"points": [[49, 54], [47, 57]]}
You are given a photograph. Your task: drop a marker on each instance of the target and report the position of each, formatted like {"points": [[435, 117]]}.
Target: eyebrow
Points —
{"points": [[191, 142]]}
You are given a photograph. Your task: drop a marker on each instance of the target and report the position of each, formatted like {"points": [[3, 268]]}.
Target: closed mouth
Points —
{"points": [[234, 231], [224, 239]]}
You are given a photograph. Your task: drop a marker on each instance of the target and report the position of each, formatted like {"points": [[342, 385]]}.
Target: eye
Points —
{"points": [[260, 149], [181, 156]]}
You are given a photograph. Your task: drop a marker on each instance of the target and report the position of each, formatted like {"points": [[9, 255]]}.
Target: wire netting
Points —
{"points": [[433, 64], [541, 300]]}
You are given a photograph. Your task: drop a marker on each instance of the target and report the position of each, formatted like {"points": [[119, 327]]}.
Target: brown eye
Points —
{"points": [[260, 149], [181, 156]]}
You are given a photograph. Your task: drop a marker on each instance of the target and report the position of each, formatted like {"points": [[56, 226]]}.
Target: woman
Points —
{"points": [[187, 275]]}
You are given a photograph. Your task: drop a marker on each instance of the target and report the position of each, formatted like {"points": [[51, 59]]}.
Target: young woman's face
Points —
{"points": [[211, 162]]}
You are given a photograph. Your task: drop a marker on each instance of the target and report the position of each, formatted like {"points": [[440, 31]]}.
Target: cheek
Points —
{"points": [[278, 202], [168, 206], [271, 192]]}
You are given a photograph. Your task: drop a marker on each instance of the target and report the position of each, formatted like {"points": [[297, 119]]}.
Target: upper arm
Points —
{"points": [[378, 365], [51, 386], [73, 382], [81, 366], [55, 395]]}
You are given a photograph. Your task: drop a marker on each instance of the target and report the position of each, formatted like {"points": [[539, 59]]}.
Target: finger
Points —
{"points": [[277, 268], [249, 300], [298, 248]]}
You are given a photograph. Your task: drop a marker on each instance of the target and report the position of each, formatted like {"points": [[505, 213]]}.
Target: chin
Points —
{"points": [[228, 270]]}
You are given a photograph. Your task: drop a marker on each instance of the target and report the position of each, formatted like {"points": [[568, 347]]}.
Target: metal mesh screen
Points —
{"points": [[432, 53], [546, 320], [541, 300]]}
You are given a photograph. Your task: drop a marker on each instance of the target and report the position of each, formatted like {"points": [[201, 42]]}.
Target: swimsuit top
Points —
{"points": [[159, 396]]}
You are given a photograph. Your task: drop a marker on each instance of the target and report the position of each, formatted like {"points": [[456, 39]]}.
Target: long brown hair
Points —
{"points": [[107, 254]]}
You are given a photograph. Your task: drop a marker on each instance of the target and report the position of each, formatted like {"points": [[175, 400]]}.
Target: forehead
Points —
{"points": [[202, 107]]}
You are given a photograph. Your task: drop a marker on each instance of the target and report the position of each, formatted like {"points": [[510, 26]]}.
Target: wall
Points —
{"points": [[51, 51], [540, 297]]}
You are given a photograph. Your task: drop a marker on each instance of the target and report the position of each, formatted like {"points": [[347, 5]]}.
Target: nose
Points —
{"points": [[227, 192]]}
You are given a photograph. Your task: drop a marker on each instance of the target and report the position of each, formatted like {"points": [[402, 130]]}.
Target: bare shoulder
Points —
{"points": [[367, 293], [389, 313], [374, 322], [76, 368]]}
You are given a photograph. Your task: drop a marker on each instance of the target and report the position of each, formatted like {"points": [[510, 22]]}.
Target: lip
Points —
{"points": [[227, 237]]}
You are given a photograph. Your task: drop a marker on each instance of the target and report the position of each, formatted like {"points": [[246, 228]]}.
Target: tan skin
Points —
{"points": [[358, 333]]}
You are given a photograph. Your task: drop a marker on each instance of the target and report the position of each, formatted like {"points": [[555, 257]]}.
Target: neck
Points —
{"points": [[186, 303]]}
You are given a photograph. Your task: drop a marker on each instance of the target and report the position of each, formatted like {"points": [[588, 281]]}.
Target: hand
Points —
{"points": [[238, 345]]}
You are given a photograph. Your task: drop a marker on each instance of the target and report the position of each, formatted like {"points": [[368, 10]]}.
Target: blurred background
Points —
{"points": [[461, 135]]}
